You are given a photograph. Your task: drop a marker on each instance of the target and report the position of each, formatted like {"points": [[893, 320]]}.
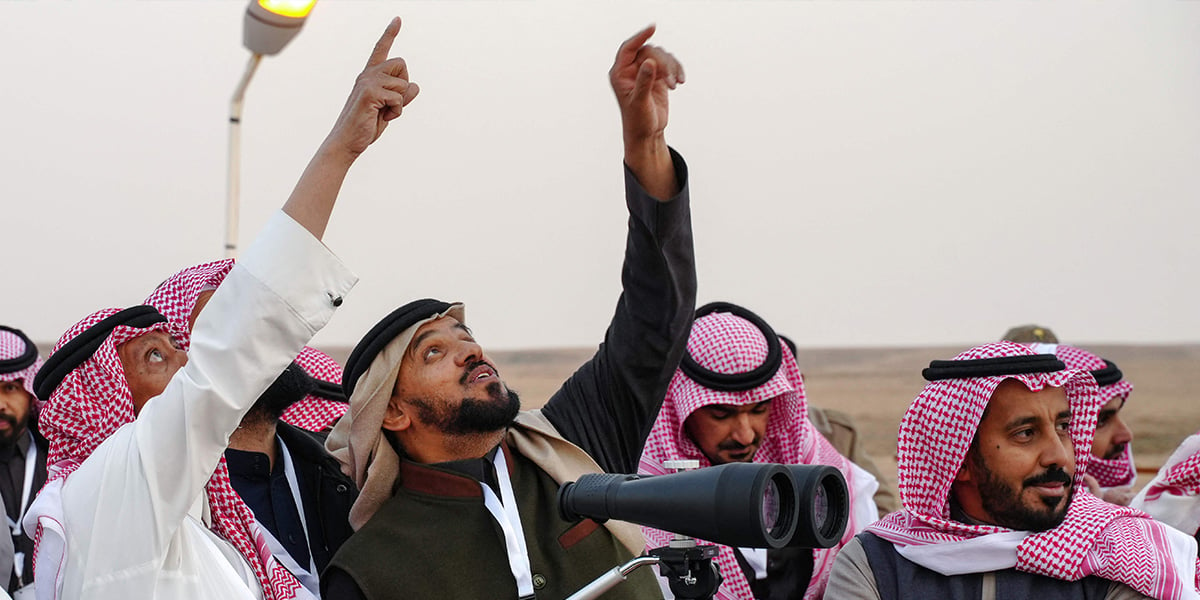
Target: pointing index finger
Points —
{"points": [[384, 46], [630, 47]]}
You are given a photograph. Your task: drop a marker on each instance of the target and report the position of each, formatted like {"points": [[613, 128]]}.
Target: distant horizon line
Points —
{"points": [[343, 350]]}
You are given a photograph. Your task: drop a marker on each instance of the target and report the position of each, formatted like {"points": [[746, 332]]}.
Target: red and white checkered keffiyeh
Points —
{"points": [[1180, 476], [176, 298], [12, 346], [313, 412], [1173, 496], [1114, 472], [1096, 538], [93, 401], [725, 343]]}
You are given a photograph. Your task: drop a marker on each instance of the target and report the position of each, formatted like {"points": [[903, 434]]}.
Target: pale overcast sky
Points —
{"points": [[863, 173]]}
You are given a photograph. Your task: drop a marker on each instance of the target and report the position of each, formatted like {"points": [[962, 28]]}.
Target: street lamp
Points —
{"points": [[268, 26]]}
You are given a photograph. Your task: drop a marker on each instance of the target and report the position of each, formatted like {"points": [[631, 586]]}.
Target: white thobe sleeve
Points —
{"points": [[123, 507], [1179, 510]]}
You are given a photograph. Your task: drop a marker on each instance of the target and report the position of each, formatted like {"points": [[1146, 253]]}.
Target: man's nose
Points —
{"points": [[743, 433], [468, 351], [1122, 434], [1059, 451]]}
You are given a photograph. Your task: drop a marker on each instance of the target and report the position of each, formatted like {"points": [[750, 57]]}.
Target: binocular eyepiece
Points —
{"points": [[737, 504]]}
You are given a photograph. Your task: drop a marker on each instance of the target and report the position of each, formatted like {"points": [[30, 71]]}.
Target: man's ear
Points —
{"points": [[396, 418], [968, 473], [964, 473]]}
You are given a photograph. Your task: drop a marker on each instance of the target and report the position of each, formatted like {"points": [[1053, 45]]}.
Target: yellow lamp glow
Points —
{"points": [[271, 24], [289, 8]]}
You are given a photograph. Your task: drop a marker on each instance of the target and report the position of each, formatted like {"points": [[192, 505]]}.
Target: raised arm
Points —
{"points": [[288, 266], [641, 77], [140, 484], [609, 404], [380, 94]]}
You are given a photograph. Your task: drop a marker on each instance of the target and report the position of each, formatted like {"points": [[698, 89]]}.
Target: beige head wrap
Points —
{"points": [[357, 441]]}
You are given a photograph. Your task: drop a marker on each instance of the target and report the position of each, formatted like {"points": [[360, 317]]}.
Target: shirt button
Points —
{"points": [[335, 300], [292, 538], [539, 581], [341, 488]]}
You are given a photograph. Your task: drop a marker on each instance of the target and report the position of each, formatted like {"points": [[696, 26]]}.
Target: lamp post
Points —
{"points": [[267, 27]]}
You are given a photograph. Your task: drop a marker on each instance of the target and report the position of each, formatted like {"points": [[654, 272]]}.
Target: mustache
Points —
{"points": [[1116, 452], [471, 366], [732, 445], [1051, 475]]}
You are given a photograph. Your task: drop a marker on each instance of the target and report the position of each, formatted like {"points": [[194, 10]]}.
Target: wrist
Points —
{"points": [[647, 153], [650, 161], [336, 155]]}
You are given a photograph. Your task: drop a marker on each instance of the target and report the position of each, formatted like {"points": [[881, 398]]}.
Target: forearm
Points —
{"points": [[315, 193], [649, 331], [379, 95], [608, 405], [281, 293], [650, 161]]}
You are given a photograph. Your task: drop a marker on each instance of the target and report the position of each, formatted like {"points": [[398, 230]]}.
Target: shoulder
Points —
{"points": [[302, 438], [851, 576], [535, 420], [306, 445], [1120, 591], [853, 553], [39, 440], [837, 427]]}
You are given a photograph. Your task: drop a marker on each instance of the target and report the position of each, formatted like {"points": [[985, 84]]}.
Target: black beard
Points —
{"points": [[290, 387], [1004, 505], [15, 429], [474, 415]]}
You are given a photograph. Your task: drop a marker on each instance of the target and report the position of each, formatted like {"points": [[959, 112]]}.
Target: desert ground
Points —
{"points": [[875, 385]]}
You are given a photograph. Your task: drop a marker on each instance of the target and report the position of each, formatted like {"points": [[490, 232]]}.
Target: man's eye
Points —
{"points": [[1064, 427], [434, 351], [1024, 434], [155, 356]]}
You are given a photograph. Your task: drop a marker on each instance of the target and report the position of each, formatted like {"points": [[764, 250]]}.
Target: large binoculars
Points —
{"points": [[744, 505]]}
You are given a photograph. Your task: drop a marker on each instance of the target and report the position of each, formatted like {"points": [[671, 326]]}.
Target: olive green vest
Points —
{"points": [[435, 539]]}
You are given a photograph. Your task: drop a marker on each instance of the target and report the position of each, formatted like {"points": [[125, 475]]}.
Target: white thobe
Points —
{"points": [[1179, 510], [131, 521]]}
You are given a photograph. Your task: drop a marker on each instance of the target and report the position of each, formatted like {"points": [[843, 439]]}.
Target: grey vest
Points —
{"points": [[897, 577]]}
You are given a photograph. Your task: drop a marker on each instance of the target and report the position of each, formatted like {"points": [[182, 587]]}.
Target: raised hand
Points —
{"points": [[641, 77], [380, 94]]}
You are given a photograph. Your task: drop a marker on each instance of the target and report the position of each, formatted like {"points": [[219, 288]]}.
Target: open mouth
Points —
{"points": [[483, 372]]}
